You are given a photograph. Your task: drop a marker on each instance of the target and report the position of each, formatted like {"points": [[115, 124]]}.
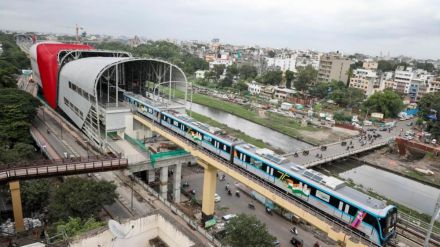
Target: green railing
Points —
{"points": [[156, 156], [136, 143]]}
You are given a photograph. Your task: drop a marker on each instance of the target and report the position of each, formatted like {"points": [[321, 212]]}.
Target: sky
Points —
{"points": [[400, 27]]}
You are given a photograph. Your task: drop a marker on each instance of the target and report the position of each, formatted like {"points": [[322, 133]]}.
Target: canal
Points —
{"points": [[274, 138]]}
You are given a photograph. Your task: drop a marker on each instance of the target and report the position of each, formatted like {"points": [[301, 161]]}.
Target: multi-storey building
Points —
{"points": [[365, 79], [429, 86], [333, 66], [283, 62], [387, 81], [411, 82]]}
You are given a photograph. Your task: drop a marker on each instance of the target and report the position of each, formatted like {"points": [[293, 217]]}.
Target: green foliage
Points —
{"points": [[162, 50], [227, 81], [306, 76], [78, 197], [75, 226], [387, 102], [272, 77], [218, 70], [233, 69], [241, 86], [247, 72], [271, 53], [290, 76], [390, 65], [341, 117], [11, 61], [426, 66], [247, 231], [17, 110], [348, 97], [35, 194], [430, 104]]}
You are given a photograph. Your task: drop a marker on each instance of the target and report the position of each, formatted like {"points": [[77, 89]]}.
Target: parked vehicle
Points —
{"points": [[217, 198]]}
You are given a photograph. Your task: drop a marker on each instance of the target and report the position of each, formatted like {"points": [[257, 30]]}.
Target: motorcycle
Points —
{"points": [[237, 193], [185, 184], [269, 211], [251, 205], [294, 230], [229, 192]]}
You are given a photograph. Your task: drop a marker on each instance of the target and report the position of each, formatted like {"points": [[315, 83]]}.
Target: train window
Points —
{"points": [[70, 84], [352, 211], [227, 149], [347, 207], [371, 221], [176, 123], [341, 205]]}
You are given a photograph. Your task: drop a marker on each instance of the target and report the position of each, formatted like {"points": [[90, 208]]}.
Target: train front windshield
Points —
{"points": [[389, 223]]}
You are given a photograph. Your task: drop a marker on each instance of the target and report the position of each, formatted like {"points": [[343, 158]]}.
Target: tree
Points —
{"points": [[385, 65], [387, 102], [227, 81], [425, 66], [247, 71], [306, 76], [271, 53], [348, 96], [247, 231], [241, 86], [219, 70], [290, 76], [35, 194], [79, 197], [17, 110], [429, 106], [233, 69], [75, 226], [273, 77]]}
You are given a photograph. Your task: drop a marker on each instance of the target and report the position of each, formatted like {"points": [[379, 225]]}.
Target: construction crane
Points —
{"points": [[79, 32]]}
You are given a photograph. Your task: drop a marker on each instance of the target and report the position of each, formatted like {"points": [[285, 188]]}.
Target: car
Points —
{"points": [[296, 242], [410, 124], [383, 128], [217, 198], [409, 137], [228, 217], [276, 243], [434, 141]]}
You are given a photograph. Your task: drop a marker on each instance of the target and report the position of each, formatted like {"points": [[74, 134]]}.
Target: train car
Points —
{"points": [[370, 217], [147, 109], [211, 138]]}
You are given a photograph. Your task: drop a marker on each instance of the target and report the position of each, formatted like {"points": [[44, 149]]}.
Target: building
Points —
{"points": [[283, 93], [387, 80], [200, 74], [333, 66], [366, 80], [370, 65], [156, 228], [89, 85], [254, 88], [410, 81], [430, 86], [282, 62]]}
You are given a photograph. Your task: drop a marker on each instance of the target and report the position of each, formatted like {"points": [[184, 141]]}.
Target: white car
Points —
{"points": [[228, 217], [217, 198], [434, 141]]}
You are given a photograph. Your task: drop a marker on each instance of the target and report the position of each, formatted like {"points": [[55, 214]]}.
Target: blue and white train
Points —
{"points": [[368, 216]]}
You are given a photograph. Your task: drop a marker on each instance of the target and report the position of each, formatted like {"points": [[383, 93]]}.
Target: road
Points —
{"points": [[277, 225], [336, 149]]}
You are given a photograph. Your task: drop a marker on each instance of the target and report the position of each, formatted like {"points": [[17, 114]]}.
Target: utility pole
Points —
{"points": [[433, 219]]}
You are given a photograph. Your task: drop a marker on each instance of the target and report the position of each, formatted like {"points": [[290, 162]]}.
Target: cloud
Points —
{"points": [[407, 27]]}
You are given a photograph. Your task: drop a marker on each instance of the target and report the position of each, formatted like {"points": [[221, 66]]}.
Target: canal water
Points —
{"points": [[402, 190], [274, 138], [410, 193]]}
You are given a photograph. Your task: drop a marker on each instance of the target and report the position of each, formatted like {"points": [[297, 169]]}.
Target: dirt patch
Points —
{"points": [[406, 165], [326, 136]]}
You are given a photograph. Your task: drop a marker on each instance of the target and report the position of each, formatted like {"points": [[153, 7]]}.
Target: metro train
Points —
{"points": [[369, 217]]}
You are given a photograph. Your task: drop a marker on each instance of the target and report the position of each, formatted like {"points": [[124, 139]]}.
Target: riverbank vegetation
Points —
{"points": [[233, 132]]}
